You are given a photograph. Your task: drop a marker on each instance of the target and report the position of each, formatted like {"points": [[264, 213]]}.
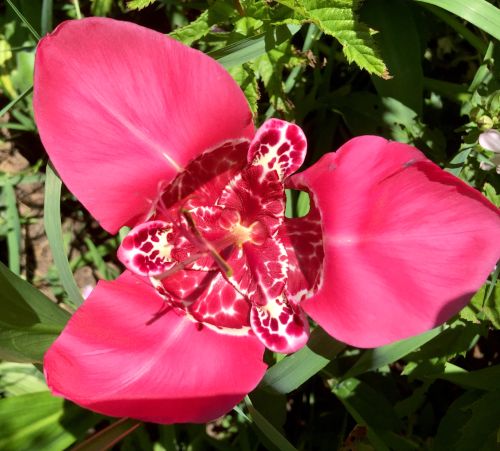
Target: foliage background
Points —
{"points": [[424, 72]]}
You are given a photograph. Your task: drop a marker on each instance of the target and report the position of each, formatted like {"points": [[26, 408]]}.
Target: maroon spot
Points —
{"points": [[139, 260], [263, 150], [199, 326], [128, 243], [146, 247], [270, 137], [284, 318], [283, 148], [141, 236], [274, 324], [295, 328], [292, 133], [271, 163], [154, 254]]}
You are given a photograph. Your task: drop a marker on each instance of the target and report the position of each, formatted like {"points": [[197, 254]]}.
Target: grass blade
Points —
{"points": [[53, 228], [109, 436], [268, 429], [291, 372], [46, 25], [13, 102], [250, 48], [24, 20], [478, 12], [14, 229], [373, 359]]}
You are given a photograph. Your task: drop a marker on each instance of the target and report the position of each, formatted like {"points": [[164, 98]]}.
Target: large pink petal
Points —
{"points": [[122, 354], [406, 244], [122, 109]]}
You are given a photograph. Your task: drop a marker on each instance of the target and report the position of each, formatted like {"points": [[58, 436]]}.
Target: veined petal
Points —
{"points": [[406, 244], [278, 146], [122, 109], [123, 354]]}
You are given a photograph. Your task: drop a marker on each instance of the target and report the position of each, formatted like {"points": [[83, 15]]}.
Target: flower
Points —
{"points": [[490, 140], [150, 134]]}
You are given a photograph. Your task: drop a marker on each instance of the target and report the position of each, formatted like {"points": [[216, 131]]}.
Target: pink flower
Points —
{"points": [[153, 135], [490, 140]]}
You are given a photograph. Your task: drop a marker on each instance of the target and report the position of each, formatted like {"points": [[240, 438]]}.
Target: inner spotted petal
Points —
{"points": [[303, 240], [207, 298], [147, 248], [259, 272], [278, 146], [280, 326]]}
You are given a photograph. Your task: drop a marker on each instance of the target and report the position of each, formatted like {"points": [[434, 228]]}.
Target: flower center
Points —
{"points": [[216, 247]]}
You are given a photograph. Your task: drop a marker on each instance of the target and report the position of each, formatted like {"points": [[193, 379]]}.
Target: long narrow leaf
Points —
{"points": [[478, 12], [46, 25], [376, 358], [14, 229], [108, 437], [13, 102], [24, 20], [248, 49], [53, 228], [29, 321], [272, 434], [294, 370]]}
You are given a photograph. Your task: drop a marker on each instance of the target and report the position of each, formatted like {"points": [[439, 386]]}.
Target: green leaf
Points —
{"points": [[399, 43], [29, 321], [109, 436], [139, 4], [245, 77], [272, 434], [470, 424], [292, 371], [371, 409], [491, 194], [20, 378], [478, 12], [101, 7], [250, 48], [53, 228], [194, 30], [338, 19], [41, 421], [372, 359], [13, 228], [46, 25], [24, 20], [483, 379]]}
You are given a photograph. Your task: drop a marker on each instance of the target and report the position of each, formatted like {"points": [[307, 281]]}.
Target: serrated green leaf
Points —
{"points": [[139, 4], [246, 79], [338, 19], [29, 321], [193, 31], [491, 194], [41, 421]]}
